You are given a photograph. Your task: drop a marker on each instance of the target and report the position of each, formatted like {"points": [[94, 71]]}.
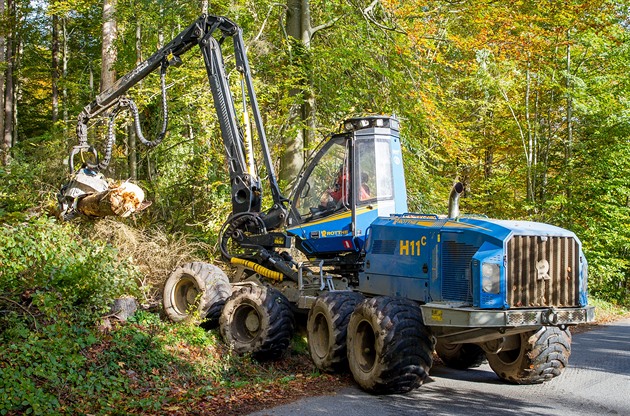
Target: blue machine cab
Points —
{"points": [[329, 215]]}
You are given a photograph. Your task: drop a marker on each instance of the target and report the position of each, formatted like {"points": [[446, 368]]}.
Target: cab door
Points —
{"points": [[321, 212], [339, 195]]}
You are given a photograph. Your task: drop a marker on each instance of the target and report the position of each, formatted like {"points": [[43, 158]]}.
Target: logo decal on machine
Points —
{"points": [[336, 233], [412, 247]]}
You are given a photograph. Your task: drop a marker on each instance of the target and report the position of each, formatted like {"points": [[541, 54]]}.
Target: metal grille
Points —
{"points": [[572, 316], [456, 258], [525, 318], [384, 247], [542, 271]]}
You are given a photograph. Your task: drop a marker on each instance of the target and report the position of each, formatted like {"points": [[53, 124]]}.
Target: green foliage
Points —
{"points": [[60, 275], [482, 89], [144, 365]]}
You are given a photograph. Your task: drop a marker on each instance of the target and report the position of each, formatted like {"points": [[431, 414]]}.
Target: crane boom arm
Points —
{"points": [[246, 188]]}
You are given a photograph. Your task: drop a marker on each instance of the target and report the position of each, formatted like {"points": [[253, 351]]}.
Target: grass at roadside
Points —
{"points": [[608, 312]]}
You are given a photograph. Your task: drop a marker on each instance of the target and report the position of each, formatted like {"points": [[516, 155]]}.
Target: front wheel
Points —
{"points": [[258, 320], [460, 356], [539, 356], [390, 350]]}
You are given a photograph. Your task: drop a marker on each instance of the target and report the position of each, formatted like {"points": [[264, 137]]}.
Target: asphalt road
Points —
{"points": [[597, 382]]}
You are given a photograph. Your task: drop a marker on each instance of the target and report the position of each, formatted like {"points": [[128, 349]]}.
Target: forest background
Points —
{"points": [[526, 103]]}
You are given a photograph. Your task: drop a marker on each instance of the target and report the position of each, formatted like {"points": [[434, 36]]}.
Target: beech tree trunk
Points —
{"points": [[9, 93], [3, 60], [299, 28], [108, 52], [293, 156], [132, 158], [55, 68], [569, 141], [65, 56]]}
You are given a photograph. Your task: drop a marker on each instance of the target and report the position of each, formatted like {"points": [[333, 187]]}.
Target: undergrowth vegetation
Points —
{"points": [[142, 366], [62, 352], [155, 252], [50, 273]]}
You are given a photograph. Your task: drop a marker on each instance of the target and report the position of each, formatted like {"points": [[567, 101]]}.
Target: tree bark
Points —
{"points": [[3, 61], [55, 68], [64, 73], [297, 27], [569, 142], [108, 53], [300, 28], [132, 158], [121, 201], [9, 92]]}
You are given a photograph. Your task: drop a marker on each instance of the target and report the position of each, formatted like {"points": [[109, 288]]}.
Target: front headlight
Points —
{"points": [[491, 277]]}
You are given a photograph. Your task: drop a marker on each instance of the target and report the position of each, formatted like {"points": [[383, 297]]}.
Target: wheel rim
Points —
{"points": [[449, 349], [246, 324], [365, 346], [185, 294], [321, 340], [511, 356]]}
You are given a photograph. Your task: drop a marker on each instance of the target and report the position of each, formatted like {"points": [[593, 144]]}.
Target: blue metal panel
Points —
{"points": [[333, 233], [398, 259], [448, 257], [488, 253]]}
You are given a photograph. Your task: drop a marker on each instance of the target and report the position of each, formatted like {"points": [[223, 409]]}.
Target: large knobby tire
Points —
{"points": [[327, 328], [542, 355], [460, 356], [390, 350], [196, 287], [257, 320]]}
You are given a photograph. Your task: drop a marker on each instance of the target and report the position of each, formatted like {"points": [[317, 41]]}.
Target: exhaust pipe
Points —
{"points": [[453, 200]]}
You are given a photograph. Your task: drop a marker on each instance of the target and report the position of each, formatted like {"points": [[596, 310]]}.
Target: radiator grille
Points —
{"points": [[456, 279], [542, 272]]}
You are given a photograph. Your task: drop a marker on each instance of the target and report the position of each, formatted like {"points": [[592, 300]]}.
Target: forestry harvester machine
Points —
{"points": [[382, 288]]}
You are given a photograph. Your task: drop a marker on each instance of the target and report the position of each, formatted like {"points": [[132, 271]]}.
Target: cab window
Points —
{"points": [[327, 188], [374, 156]]}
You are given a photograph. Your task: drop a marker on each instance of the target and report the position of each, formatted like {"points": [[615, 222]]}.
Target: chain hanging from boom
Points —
{"points": [[133, 109], [88, 180]]}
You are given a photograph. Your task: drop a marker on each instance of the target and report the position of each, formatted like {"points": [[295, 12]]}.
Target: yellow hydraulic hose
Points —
{"points": [[258, 269]]}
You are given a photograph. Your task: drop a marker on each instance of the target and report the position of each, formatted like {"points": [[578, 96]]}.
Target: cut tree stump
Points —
{"points": [[119, 200]]}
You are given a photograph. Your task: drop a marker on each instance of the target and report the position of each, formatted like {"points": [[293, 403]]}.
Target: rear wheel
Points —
{"points": [[460, 356], [258, 320], [539, 356], [195, 287], [327, 327], [389, 347]]}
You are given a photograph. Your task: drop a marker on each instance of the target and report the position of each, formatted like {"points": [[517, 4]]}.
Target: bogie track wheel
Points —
{"points": [[539, 356], [257, 320], [327, 327], [390, 350], [460, 356], [195, 287]]}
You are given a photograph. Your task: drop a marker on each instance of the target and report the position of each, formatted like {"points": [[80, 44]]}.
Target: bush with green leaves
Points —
{"points": [[50, 272]]}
